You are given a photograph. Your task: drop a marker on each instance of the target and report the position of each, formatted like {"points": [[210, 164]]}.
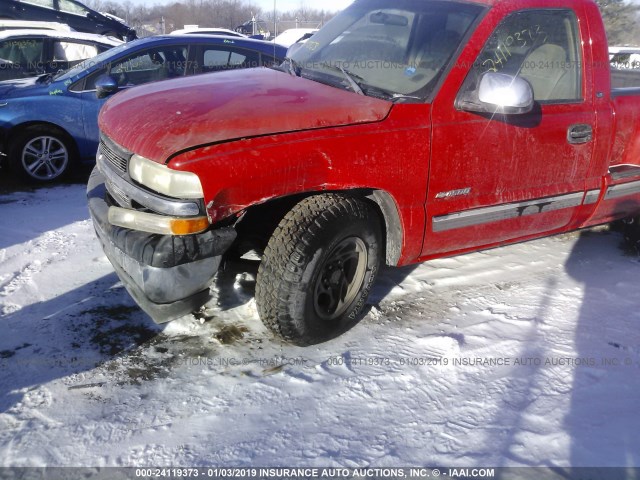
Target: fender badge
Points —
{"points": [[454, 193]]}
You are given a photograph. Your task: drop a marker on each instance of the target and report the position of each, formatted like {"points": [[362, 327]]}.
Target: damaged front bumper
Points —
{"points": [[168, 276]]}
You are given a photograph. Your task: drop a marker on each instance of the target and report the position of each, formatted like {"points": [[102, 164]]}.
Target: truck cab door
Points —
{"points": [[500, 177]]}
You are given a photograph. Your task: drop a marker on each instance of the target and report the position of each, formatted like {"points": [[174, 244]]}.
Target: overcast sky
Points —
{"points": [[282, 5]]}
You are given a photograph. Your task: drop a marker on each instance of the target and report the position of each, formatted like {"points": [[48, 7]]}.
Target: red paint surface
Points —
{"points": [[163, 118], [257, 135]]}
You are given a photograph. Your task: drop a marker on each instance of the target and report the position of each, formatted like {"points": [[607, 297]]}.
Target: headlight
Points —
{"points": [[162, 179], [151, 223]]}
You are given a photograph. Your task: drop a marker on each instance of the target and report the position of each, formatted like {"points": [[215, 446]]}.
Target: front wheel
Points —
{"points": [[41, 154], [318, 268]]}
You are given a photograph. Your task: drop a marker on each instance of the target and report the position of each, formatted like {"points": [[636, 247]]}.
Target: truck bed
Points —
{"points": [[625, 78]]}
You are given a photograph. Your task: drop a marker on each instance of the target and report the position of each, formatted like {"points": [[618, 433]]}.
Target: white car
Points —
{"points": [[27, 53], [33, 25], [625, 58], [294, 35], [194, 29]]}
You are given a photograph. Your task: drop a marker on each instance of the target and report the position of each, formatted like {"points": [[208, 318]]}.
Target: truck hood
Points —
{"points": [[161, 119]]}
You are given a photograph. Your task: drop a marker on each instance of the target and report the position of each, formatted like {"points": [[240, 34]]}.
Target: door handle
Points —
{"points": [[579, 134]]}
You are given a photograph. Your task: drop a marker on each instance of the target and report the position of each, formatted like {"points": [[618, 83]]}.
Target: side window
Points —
{"points": [[219, 58], [27, 52], [89, 82], [268, 61], [541, 46], [151, 65], [6, 51], [237, 59], [73, 52], [70, 7], [215, 59], [40, 3]]}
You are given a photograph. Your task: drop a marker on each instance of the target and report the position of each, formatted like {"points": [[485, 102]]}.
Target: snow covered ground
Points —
{"points": [[527, 355]]}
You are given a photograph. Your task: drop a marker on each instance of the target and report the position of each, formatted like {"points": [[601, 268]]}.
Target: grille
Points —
{"points": [[118, 161], [118, 195]]}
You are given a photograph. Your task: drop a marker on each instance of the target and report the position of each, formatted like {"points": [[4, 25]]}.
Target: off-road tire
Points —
{"points": [[62, 152], [326, 244]]}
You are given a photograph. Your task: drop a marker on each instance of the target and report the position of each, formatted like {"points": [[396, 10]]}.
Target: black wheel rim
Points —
{"points": [[45, 158], [341, 278]]}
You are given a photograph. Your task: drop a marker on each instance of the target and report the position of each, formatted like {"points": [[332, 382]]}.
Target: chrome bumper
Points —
{"points": [[169, 277]]}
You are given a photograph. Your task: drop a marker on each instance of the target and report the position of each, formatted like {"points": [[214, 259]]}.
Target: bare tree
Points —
{"points": [[206, 13], [621, 19]]}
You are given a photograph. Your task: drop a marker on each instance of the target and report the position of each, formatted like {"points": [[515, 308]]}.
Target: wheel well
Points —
{"points": [[20, 129], [392, 224], [258, 223]]}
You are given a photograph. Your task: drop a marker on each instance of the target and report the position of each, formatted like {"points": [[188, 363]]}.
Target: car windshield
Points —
{"points": [[100, 59], [397, 52]]}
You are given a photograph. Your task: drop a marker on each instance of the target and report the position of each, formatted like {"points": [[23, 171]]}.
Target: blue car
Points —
{"points": [[50, 122]]}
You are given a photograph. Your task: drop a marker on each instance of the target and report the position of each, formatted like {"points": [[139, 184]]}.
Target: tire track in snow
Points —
{"points": [[21, 278], [51, 247]]}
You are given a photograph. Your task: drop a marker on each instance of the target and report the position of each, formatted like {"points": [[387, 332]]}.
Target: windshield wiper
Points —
{"points": [[349, 76], [292, 67], [386, 95], [401, 96], [355, 86]]}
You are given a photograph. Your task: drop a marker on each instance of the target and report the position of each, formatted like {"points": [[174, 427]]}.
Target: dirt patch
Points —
{"points": [[114, 331], [230, 334], [117, 340]]}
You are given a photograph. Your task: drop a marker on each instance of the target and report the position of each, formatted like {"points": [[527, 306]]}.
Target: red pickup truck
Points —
{"points": [[401, 132]]}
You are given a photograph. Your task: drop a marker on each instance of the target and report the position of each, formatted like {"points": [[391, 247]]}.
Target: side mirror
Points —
{"points": [[498, 93], [106, 85]]}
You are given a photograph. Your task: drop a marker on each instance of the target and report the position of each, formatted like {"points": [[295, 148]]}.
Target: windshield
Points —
{"points": [[101, 59], [395, 53]]}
